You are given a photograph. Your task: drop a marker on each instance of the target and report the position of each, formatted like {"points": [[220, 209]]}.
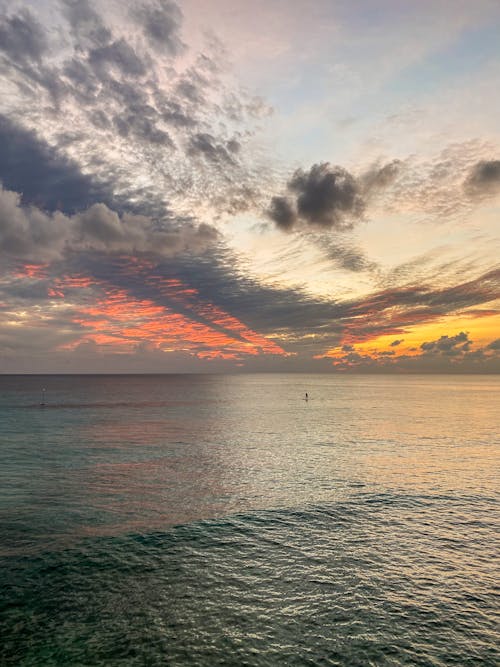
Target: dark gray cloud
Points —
{"points": [[205, 145], [43, 175], [328, 196], [494, 345], [81, 81], [484, 178], [175, 114], [22, 38], [23, 45], [86, 25], [99, 119], [24, 340], [31, 234], [142, 128], [118, 54], [28, 233], [450, 345], [161, 22], [191, 89], [396, 342], [282, 213]]}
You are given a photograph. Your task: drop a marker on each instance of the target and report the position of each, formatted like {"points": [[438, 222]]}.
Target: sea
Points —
{"points": [[226, 520]]}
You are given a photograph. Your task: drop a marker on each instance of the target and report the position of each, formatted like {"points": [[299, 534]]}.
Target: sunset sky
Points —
{"points": [[226, 185]]}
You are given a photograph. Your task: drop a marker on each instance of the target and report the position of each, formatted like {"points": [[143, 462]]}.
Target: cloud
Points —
{"points": [[23, 47], [47, 178], [28, 233], [86, 25], [328, 197], [173, 113], [43, 175], [477, 361], [283, 213], [436, 187], [325, 196], [184, 283], [345, 255], [449, 345], [380, 177], [206, 145], [494, 345], [22, 38], [120, 302], [95, 255], [396, 342], [31, 234], [142, 128], [154, 129], [118, 54], [395, 310], [161, 22], [483, 179], [446, 354]]}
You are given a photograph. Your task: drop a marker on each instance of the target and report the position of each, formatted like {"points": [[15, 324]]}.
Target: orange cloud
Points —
{"points": [[120, 320], [33, 271], [75, 282], [55, 293]]}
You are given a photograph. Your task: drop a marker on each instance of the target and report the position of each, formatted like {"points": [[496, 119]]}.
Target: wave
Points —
{"points": [[350, 583]]}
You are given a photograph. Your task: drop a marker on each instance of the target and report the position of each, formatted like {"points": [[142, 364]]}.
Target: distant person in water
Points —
{"points": [[307, 397]]}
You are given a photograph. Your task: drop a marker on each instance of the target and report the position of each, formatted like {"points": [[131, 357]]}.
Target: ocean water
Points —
{"points": [[224, 520]]}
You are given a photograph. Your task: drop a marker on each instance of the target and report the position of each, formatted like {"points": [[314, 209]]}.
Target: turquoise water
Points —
{"points": [[224, 520]]}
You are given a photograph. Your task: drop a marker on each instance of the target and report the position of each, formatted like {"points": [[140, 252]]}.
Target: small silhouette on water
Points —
{"points": [[42, 402], [307, 396]]}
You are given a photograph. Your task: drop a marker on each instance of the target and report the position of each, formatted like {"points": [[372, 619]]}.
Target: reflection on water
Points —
{"points": [[139, 453], [223, 520]]}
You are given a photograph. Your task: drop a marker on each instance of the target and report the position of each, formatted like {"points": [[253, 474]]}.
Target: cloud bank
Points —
{"points": [[29, 233]]}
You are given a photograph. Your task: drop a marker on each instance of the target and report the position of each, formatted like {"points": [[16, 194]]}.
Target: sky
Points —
{"points": [[236, 186]]}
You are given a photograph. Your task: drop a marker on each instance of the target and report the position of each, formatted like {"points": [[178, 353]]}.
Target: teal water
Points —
{"points": [[223, 520]]}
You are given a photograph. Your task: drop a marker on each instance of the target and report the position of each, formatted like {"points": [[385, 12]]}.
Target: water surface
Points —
{"points": [[203, 520]]}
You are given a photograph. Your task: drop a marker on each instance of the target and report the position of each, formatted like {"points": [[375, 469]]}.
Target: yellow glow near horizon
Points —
{"points": [[481, 330]]}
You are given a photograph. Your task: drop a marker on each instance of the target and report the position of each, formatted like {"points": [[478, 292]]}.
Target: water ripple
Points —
{"points": [[338, 584]]}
